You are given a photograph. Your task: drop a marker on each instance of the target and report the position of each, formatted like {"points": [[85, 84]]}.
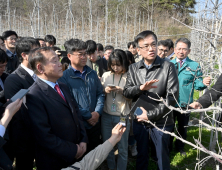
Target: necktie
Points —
{"points": [[59, 92], [181, 63]]}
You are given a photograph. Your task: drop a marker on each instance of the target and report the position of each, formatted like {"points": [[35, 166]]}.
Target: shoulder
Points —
{"points": [[167, 63], [192, 64], [136, 65], [90, 71], [106, 74], [34, 88], [12, 78]]}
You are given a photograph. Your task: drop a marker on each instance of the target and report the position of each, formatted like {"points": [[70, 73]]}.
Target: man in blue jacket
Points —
{"points": [[190, 78], [86, 88]]}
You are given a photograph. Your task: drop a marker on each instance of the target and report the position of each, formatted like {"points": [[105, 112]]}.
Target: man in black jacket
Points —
{"points": [[22, 78], [10, 38], [140, 79]]}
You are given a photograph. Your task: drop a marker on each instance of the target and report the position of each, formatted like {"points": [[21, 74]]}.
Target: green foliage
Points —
{"points": [[181, 6]]}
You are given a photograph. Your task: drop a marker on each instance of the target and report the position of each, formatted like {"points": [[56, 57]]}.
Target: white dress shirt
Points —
{"points": [[182, 60], [31, 73]]}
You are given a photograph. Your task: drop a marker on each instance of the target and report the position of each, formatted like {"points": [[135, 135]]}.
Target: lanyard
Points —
{"points": [[114, 94]]}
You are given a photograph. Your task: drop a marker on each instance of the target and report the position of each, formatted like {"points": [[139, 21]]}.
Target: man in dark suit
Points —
{"points": [[3, 76], [60, 136], [23, 77]]}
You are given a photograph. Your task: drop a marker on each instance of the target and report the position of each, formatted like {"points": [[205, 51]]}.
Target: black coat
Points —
{"points": [[2, 142], [56, 126], [18, 133], [19, 79], [212, 95], [12, 64], [163, 71], [2, 94]]}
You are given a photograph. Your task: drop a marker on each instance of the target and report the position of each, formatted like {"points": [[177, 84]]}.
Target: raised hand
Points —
{"points": [[149, 85]]}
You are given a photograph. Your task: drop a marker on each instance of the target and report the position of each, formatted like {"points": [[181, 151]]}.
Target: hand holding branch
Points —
{"points": [[206, 81]]}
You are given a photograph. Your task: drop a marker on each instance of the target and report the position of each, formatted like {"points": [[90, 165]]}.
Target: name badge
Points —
{"points": [[113, 107]]}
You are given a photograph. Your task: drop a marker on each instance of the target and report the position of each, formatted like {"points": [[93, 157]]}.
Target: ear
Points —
{"points": [[24, 56], [40, 68], [138, 50], [69, 56]]}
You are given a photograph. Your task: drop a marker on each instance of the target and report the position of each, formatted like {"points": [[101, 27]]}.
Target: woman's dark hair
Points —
{"points": [[3, 56], [120, 57], [130, 57]]}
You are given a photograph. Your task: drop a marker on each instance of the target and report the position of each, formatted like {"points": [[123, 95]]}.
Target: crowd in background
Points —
{"points": [[78, 95]]}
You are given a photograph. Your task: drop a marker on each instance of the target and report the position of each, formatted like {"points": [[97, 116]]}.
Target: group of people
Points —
{"points": [[82, 97]]}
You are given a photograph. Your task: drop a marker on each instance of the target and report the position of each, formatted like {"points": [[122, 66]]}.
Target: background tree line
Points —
{"points": [[107, 21]]}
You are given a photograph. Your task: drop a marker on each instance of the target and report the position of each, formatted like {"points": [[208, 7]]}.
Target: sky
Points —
{"points": [[201, 5]]}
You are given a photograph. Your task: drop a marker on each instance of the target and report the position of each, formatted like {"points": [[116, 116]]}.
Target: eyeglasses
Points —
{"points": [[161, 50], [147, 47], [80, 55], [183, 49], [11, 39]]}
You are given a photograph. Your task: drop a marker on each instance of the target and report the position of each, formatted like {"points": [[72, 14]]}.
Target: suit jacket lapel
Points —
{"points": [[69, 101], [25, 75], [50, 92]]}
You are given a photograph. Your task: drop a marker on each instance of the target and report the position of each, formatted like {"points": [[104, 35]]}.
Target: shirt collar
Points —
{"points": [[84, 69], [147, 66], [51, 84], [177, 60], [31, 73], [170, 55], [9, 53]]}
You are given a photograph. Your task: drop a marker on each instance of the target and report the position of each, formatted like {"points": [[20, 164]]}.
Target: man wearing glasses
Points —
{"points": [[163, 49], [190, 78], [86, 88], [10, 38], [154, 77]]}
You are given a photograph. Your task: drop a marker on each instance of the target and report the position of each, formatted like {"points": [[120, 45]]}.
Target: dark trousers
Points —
{"points": [[183, 120], [94, 137], [160, 140]]}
